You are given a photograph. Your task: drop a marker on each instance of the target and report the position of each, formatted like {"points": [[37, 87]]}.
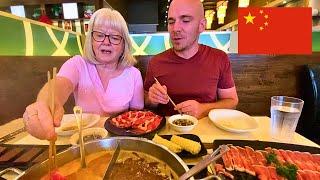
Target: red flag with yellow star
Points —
{"points": [[274, 30]]}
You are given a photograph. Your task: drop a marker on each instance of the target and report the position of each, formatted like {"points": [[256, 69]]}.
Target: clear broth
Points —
{"points": [[127, 162]]}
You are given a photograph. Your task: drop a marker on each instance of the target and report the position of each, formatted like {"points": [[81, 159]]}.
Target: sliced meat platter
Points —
{"points": [[138, 121], [244, 162]]}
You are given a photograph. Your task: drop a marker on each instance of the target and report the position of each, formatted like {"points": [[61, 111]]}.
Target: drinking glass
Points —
{"points": [[285, 113]]}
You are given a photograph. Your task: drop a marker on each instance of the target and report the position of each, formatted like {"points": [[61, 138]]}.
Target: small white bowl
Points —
{"points": [[182, 128], [99, 132]]}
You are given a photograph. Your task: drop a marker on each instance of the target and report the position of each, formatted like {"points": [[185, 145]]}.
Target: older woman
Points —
{"points": [[103, 80]]}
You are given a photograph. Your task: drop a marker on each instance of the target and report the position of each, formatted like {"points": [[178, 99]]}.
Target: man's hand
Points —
{"points": [[191, 107], [158, 94]]}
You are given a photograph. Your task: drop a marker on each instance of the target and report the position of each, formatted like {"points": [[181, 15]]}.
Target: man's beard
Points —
{"points": [[179, 47], [183, 46]]}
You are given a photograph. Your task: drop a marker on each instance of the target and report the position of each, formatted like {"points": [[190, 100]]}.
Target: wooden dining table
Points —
{"points": [[206, 130]]}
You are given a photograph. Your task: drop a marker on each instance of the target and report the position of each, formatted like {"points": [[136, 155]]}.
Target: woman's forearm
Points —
{"points": [[63, 89]]}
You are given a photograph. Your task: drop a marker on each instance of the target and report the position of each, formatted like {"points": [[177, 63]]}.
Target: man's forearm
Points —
{"points": [[220, 104]]}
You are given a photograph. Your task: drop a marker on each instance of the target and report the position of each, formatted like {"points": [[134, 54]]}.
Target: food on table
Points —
{"points": [[230, 124], [139, 166], [90, 137], [129, 165], [170, 145], [54, 175], [139, 121], [191, 146], [71, 126], [269, 164], [219, 168], [89, 134], [96, 166], [183, 122]]}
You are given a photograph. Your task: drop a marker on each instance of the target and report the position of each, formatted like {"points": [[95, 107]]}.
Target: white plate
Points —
{"points": [[233, 120], [69, 123]]}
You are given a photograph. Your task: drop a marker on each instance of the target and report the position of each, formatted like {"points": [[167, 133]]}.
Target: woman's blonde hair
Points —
{"points": [[110, 18]]}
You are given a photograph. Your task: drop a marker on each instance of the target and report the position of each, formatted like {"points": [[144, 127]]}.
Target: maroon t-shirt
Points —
{"points": [[196, 78]]}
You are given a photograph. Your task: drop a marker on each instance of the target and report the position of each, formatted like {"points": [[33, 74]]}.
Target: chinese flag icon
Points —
{"points": [[274, 30]]}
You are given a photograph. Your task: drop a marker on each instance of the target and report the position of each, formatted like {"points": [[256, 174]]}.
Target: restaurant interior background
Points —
{"points": [[29, 48]]}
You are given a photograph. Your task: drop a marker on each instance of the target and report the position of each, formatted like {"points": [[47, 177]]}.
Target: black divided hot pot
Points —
{"points": [[126, 143]]}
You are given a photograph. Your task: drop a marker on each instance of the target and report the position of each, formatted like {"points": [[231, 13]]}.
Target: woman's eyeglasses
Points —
{"points": [[100, 37]]}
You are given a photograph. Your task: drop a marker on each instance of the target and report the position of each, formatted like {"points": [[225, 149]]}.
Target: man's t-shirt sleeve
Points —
{"points": [[226, 80]]}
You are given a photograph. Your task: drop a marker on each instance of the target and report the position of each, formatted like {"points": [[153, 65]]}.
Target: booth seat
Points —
{"points": [[309, 123], [20, 81], [257, 78]]}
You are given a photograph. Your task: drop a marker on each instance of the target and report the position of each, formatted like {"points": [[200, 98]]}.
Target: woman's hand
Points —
{"points": [[39, 121]]}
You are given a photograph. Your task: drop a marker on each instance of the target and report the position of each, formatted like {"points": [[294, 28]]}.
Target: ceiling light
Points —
{"points": [[244, 3], [221, 8], [220, 20], [209, 15]]}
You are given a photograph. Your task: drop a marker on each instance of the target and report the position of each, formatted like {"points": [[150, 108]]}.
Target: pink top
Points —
{"points": [[123, 92]]}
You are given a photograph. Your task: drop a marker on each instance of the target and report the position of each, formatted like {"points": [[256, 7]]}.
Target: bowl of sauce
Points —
{"points": [[90, 134], [182, 123]]}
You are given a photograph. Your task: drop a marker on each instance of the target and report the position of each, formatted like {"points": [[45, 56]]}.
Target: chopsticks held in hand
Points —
{"points": [[51, 95], [174, 104]]}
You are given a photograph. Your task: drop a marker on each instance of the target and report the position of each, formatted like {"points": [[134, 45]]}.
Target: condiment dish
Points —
{"points": [[89, 134], [182, 123]]}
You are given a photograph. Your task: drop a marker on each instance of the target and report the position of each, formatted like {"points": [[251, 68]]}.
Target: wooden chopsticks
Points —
{"points": [[51, 96], [174, 104]]}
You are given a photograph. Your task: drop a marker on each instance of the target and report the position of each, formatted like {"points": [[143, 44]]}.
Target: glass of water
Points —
{"points": [[285, 113]]}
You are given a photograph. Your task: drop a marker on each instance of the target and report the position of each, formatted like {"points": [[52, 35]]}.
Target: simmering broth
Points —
{"points": [[139, 166], [142, 165]]}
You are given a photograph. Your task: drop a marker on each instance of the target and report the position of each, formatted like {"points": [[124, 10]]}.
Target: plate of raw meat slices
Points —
{"points": [[267, 160], [135, 123]]}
